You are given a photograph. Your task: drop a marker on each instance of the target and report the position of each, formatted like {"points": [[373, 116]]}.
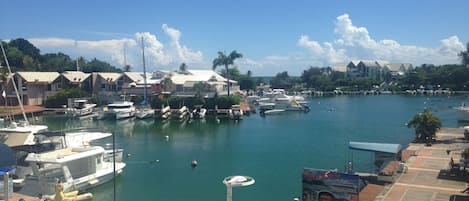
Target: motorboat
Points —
{"points": [[199, 112], [284, 102], [272, 112], [52, 141], [144, 113], [182, 112], [236, 113], [463, 110], [118, 110], [165, 112], [77, 168], [80, 108]]}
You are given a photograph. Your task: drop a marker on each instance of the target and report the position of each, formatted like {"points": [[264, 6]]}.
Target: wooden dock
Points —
{"points": [[6, 111]]}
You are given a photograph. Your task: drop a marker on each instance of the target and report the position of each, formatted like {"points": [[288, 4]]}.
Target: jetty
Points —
{"points": [[6, 111]]}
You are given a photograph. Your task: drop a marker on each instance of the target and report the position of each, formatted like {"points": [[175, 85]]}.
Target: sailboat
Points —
{"points": [[145, 111]]}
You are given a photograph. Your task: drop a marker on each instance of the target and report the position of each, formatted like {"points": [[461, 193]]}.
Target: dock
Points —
{"points": [[6, 111]]}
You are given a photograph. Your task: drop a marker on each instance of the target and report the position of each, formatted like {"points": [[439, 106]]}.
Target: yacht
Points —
{"points": [[77, 168], [282, 101], [52, 141], [118, 110], [81, 108]]}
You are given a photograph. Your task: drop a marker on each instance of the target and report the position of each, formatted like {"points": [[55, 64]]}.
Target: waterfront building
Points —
{"points": [[34, 87]]}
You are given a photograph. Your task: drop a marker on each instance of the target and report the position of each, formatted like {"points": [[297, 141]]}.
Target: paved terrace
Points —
{"points": [[427, 177]]}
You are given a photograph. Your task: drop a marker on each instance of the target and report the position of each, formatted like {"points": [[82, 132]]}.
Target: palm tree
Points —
{"points": [[223, 60], [426, 124], [167, 84], [183, 68]]}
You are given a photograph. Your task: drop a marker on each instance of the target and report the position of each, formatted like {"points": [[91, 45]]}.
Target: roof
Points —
{"points": [[110, 76], [47, 77], [376, 147], [134, 76], [64, 155], [197, 76], [370, 63], [75, 76]]}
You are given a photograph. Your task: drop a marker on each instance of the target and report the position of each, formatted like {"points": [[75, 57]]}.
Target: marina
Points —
{"points": [[159, 153]]}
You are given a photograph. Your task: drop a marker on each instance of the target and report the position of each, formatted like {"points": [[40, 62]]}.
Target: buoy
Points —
{"points": [[218, 120], [167, 137], [129, 155], [194, 164]]}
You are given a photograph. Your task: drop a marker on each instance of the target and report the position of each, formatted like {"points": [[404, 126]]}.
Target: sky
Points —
{"points": [[273, 36]]}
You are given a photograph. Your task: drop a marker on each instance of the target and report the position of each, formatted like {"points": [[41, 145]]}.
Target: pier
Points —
{"points": [[6, 111]]}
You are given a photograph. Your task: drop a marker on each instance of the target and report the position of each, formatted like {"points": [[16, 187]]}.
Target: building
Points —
{"points": [[375, 70], [77, 79], [34, 87]]}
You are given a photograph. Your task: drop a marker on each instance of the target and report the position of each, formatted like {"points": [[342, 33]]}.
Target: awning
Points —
{"points": [[376, 147]]}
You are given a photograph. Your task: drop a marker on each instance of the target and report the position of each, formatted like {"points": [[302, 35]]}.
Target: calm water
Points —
{"points": [[273, 149]]}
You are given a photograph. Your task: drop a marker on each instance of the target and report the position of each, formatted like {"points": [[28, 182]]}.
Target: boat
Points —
{"points": [[77, 168], [182, 112], [199, 112], [272, 112], [463, 111], [144, 113], [80, 108], [165, 112], [118, 110], [52, 141], [235, 112]]}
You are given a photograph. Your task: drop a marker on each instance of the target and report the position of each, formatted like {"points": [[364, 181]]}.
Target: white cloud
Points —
{"points": [[356, 43], [158, 55]]}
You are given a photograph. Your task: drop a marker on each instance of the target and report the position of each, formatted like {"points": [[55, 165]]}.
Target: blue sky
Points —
{"points": [[274, 36]]}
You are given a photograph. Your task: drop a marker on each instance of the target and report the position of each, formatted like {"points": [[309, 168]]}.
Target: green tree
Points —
{"points": [[465, 56], [224, 60], [127, 68], [168, 85], [26, 48], [282, 80], [426, 124], [183, 68]]}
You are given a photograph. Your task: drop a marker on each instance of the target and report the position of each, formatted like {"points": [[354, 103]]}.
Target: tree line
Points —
{"points": [[24, 56]]}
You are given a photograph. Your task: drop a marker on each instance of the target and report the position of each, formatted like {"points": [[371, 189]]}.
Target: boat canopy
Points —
{"points": [[376, 147]]}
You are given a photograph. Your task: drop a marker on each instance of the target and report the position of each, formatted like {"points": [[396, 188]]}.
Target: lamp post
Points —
{"points": [[236, 181]]}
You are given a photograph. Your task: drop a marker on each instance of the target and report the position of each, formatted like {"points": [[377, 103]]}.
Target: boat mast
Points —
{"points": [[76, 45], [14, 84], [144, 74]]}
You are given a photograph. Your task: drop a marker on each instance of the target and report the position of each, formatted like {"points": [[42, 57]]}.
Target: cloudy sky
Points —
{"points": [[273, 36]]}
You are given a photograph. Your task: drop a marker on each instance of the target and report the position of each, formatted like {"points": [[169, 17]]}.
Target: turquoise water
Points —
{"points": [[273, 149]]}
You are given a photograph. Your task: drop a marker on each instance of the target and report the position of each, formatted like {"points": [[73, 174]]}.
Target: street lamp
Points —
{"points": [[236, 181]]}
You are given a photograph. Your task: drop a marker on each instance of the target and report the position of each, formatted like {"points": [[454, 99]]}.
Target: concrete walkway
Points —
{"points": [[423, 179]]}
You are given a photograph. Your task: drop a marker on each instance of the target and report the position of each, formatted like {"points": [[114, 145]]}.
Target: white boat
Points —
{"points": [[52, 141], [272, 112], [165, 112], [78, 168], [80, 108], [118, 110], [144, 113], [199, 112], [236, 113], [182, 112], [463, 111]]}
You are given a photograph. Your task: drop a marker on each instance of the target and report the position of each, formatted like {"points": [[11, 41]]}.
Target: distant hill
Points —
{"points": [[24, 56]]}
